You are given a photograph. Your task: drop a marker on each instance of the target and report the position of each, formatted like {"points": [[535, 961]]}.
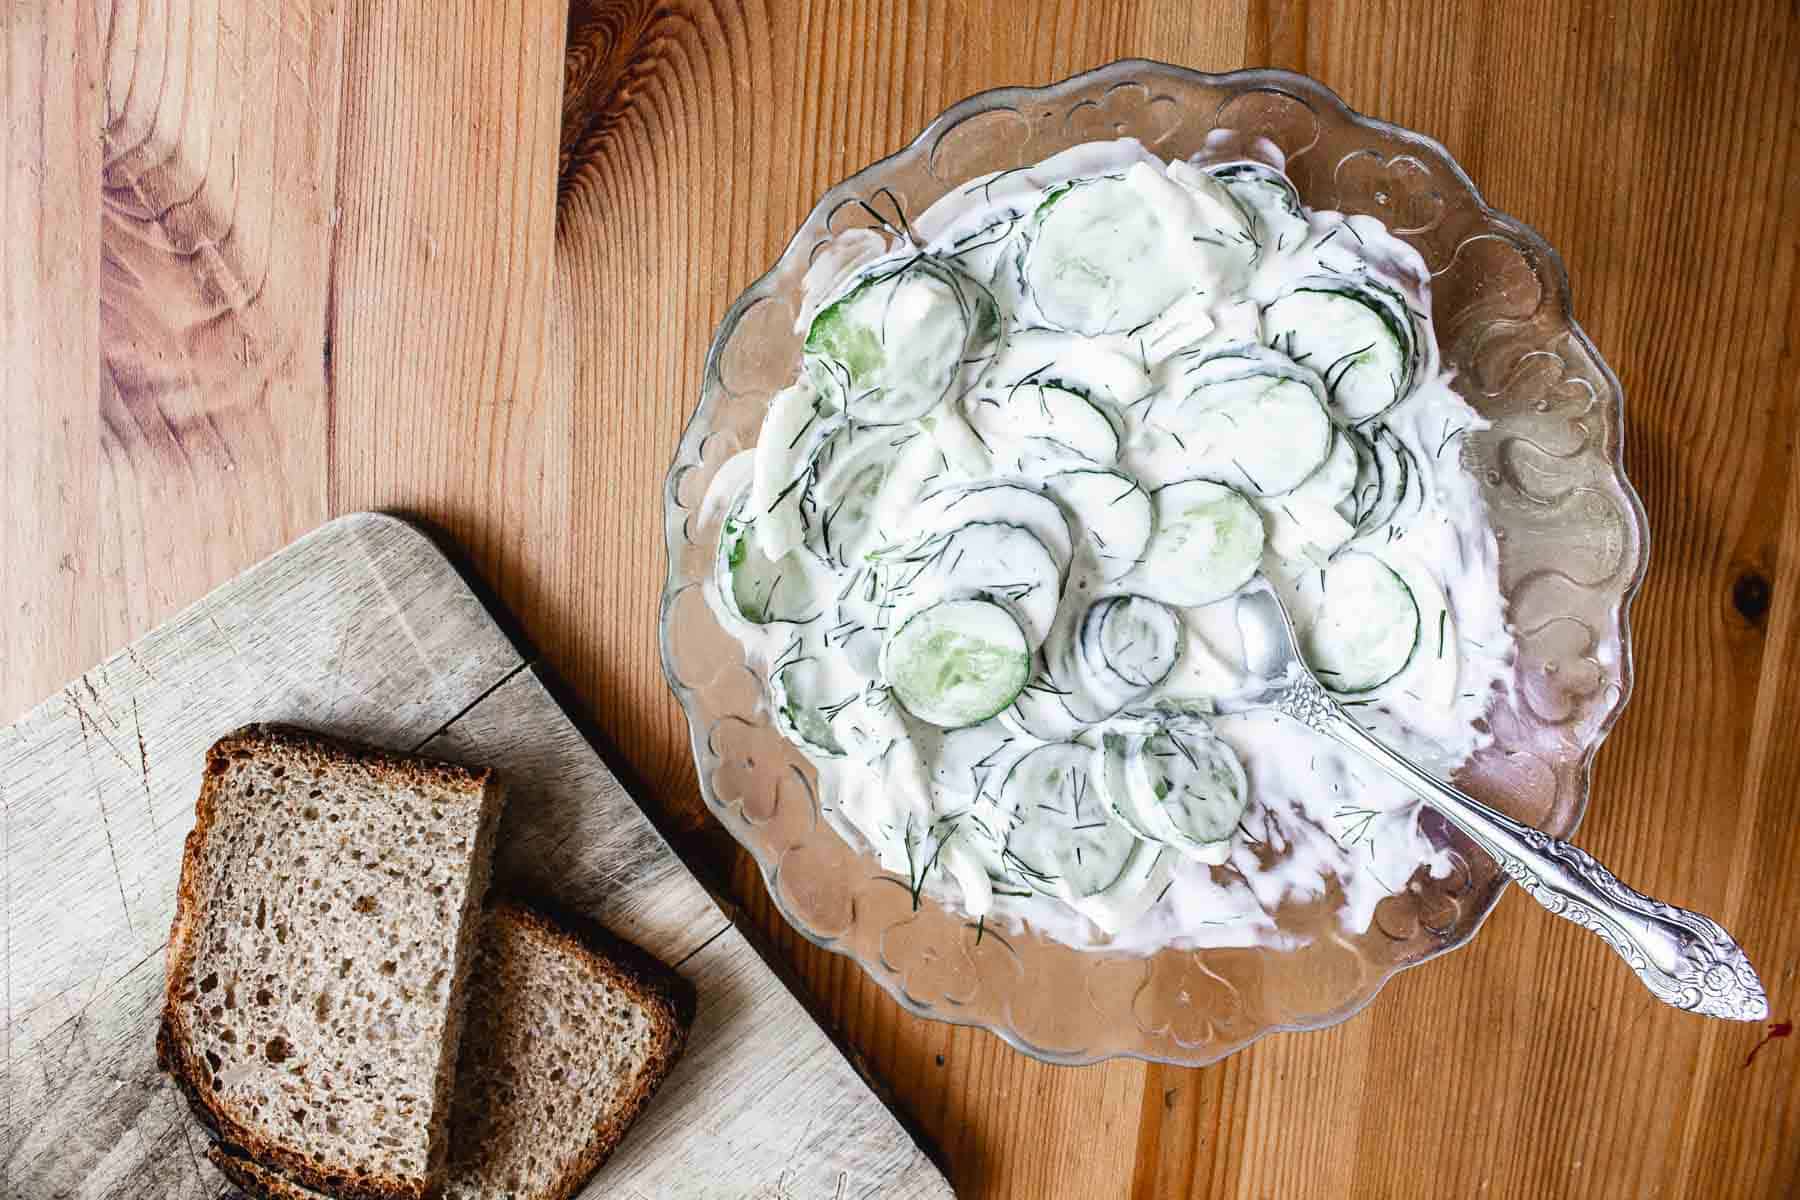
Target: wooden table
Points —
{"points": [[272, 260]]}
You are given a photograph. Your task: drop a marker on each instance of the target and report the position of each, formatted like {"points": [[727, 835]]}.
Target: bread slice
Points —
{"points": [[564, 1042], [324, 926]]}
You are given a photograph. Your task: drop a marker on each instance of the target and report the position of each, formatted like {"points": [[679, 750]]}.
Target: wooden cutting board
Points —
{"points": [[363, 628]]}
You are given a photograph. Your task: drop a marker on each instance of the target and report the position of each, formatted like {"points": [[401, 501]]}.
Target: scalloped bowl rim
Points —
{"points": [[1248, 79]]}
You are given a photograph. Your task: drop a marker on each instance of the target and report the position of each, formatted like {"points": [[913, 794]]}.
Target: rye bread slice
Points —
{"points": [[568, 1034], [324, 926]]}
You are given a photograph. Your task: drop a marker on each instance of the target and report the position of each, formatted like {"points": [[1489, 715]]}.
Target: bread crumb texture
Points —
{"points": [[561, 1047], [312, 974]]}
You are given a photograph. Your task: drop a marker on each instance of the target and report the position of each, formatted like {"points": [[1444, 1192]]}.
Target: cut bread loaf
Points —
{"points": [[324, 927], [564, 1041]]}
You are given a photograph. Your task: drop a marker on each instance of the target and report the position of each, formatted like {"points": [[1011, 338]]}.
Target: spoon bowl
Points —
{"points": [[1271, 645]]}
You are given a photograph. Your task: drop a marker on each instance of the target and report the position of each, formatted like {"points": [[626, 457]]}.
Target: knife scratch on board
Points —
{"points": [[98, 703], [139, 663], [224, 634], [143, 762], [87, 750], [87, 722]]}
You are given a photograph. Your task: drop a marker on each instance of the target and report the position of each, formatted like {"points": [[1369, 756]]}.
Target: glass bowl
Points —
{"points": [[1572, 551]]}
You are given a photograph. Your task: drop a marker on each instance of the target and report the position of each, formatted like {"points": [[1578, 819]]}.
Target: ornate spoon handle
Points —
{"points": [[1684, 958]]}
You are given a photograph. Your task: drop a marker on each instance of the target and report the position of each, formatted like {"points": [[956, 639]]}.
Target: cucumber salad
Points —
{"points": [[984, 551]]}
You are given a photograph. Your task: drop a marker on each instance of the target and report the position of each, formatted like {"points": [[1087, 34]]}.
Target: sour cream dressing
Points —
{"points": [[985, 549]]}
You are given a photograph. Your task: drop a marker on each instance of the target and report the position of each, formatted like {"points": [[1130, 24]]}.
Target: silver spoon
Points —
{"points": [[1684, 958]]}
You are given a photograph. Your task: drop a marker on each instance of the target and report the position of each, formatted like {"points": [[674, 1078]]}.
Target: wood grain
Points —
{"points": [[520, 290], [363, 629]]}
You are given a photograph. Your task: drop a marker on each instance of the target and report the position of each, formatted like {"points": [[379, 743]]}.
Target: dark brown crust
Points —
{"points": [[667, 997], [173, 1052], [256, 1180]]}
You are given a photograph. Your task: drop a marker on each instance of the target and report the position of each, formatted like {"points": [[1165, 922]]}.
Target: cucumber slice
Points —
{"points": [[1384, 479], [1046, 412], [1121, 642], [1240, 360], [1038, 409], [1314, 520], [1362, 624], [1034, 458], [1252, 178], [856, 625], [1040, 712], [1207, 544], [1110, 513], [1258, 187], [1355, 334], [1106, 255], [1412, 493], [1431, 676], [1116, 749], [989, 560], [1226, 363], [1060, 838], [1366, 488], [860, 473], [983, 251], [760, 591], [1086, 246], [1133, 639], [1398, 460], [1303, 528], [1137, 889], [803, 711], [1270, 199], [1194, 781], [1336, 477], [1008, 503], [1264, 432], [962, 451], [800, 420], [957, 663], [969, 763], [899, 335], [1178, 785], [1224, 223], [1099, 372]]}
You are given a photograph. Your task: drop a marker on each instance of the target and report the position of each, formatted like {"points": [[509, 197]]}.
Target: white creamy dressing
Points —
{"points": [[1049, 449]]}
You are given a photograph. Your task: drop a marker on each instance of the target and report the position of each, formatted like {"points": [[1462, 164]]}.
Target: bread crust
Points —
{"points": [[175, 1054], [254, 1179]]}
